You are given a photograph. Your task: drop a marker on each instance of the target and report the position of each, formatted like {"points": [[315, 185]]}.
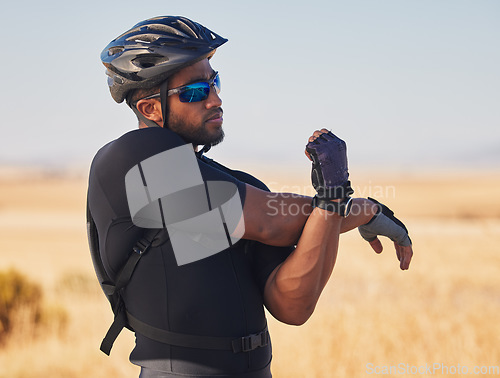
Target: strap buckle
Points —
{"points": [[143, 245], [140, 250], [251, 342]]}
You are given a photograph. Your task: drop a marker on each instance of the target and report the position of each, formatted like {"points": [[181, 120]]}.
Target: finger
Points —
{"points": [[323, 133], [398, 251], [317, 134], [312, 138], [307, 154], [404, 255], [407, 254], [376, 245]]}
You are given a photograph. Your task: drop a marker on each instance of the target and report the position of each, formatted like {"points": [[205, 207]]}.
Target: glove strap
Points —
{"points": [[334, 192], [341, 208]]}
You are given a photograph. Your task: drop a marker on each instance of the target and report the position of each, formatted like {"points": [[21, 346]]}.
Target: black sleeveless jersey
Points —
{"points": [[221, 295]]}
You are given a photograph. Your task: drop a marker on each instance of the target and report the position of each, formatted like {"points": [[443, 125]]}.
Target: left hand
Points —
{"points": [[386, 224], [404, 254]]}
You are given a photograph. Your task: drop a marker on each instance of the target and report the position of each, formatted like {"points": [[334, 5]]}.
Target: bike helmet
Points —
{"points": [[153, 50]]}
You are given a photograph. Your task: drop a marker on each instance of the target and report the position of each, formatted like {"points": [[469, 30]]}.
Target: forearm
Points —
{"points": [[362, 210], [274, 218], [279, 218], [294, 287]]}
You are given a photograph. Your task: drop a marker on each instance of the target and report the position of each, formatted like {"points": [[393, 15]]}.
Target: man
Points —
{"points": [[205, 317]]}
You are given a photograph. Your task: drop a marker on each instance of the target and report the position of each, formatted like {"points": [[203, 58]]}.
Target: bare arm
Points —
{"points": [[293, 288], [279, 218]]}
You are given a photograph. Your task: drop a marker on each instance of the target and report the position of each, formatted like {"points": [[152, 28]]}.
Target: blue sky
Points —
{"points": [[407, 84]]}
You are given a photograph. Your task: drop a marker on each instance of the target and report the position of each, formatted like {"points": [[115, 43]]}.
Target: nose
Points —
{"points": [[213, 99]]}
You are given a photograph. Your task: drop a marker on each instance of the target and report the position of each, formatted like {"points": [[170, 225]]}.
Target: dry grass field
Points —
{"points": [[441, 316]]}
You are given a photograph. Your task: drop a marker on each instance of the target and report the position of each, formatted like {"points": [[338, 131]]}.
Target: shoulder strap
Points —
{"points": [[113, 290], [124, 319]]}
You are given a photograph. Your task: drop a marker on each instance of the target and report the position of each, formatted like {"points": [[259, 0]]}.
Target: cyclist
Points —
{"points": [[206, 318]]}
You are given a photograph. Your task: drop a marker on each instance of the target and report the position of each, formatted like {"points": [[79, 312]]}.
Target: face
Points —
{"points": [[199, 123]]}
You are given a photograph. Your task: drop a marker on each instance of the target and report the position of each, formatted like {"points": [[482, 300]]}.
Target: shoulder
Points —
{"points": [[239, 175], [137, 145], [117, 157]]}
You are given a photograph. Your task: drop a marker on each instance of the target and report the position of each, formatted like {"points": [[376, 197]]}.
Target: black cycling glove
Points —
{"points": [[386, 224], [329, 176]]}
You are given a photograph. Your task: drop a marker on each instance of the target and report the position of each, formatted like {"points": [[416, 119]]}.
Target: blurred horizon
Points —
{"points": [[410, 86]]}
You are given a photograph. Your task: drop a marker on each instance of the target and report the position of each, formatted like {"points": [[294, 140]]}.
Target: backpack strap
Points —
{"points": [[124, 319], [110, 289], [237, 345], [119, 322]]}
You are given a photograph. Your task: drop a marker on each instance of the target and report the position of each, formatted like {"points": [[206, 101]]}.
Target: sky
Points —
{"points": [[408, 84]]}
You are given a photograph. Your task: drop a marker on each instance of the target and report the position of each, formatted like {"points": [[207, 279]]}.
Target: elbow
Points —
{"points": [[298, 320], [295, 316], [289, 300]]}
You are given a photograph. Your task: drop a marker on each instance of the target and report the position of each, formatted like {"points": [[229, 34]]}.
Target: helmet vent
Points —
{"points": [[143, 38], [115, 50], [148, 61], [190, 33], [167, 30]]}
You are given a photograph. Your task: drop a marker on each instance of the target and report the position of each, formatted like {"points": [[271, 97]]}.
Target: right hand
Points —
{"points": [[330, 175]]}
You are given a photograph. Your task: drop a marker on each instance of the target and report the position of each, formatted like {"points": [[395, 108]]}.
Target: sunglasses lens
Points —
{"points": [[199, 91], [217, 83], [195, 92]]}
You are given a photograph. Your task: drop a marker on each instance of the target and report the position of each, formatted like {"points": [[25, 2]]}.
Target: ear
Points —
{"points": [[151, 109]]}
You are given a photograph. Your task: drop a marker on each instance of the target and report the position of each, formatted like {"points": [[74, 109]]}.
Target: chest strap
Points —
{"points": [[237, 345], [124, 319]]}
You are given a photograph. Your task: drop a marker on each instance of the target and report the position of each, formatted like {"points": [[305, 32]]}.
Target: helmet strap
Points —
{"points": [[164, 110], [139, 115], [163, 99]]}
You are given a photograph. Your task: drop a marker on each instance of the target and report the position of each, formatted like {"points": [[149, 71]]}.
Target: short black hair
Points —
{"points": [[142, 93]]}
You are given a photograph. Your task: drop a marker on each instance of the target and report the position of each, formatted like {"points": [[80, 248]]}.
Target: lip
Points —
{"points": [[216, 118]]}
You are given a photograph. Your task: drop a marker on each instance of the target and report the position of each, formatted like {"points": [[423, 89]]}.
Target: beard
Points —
{"points": [[195, 134]]}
